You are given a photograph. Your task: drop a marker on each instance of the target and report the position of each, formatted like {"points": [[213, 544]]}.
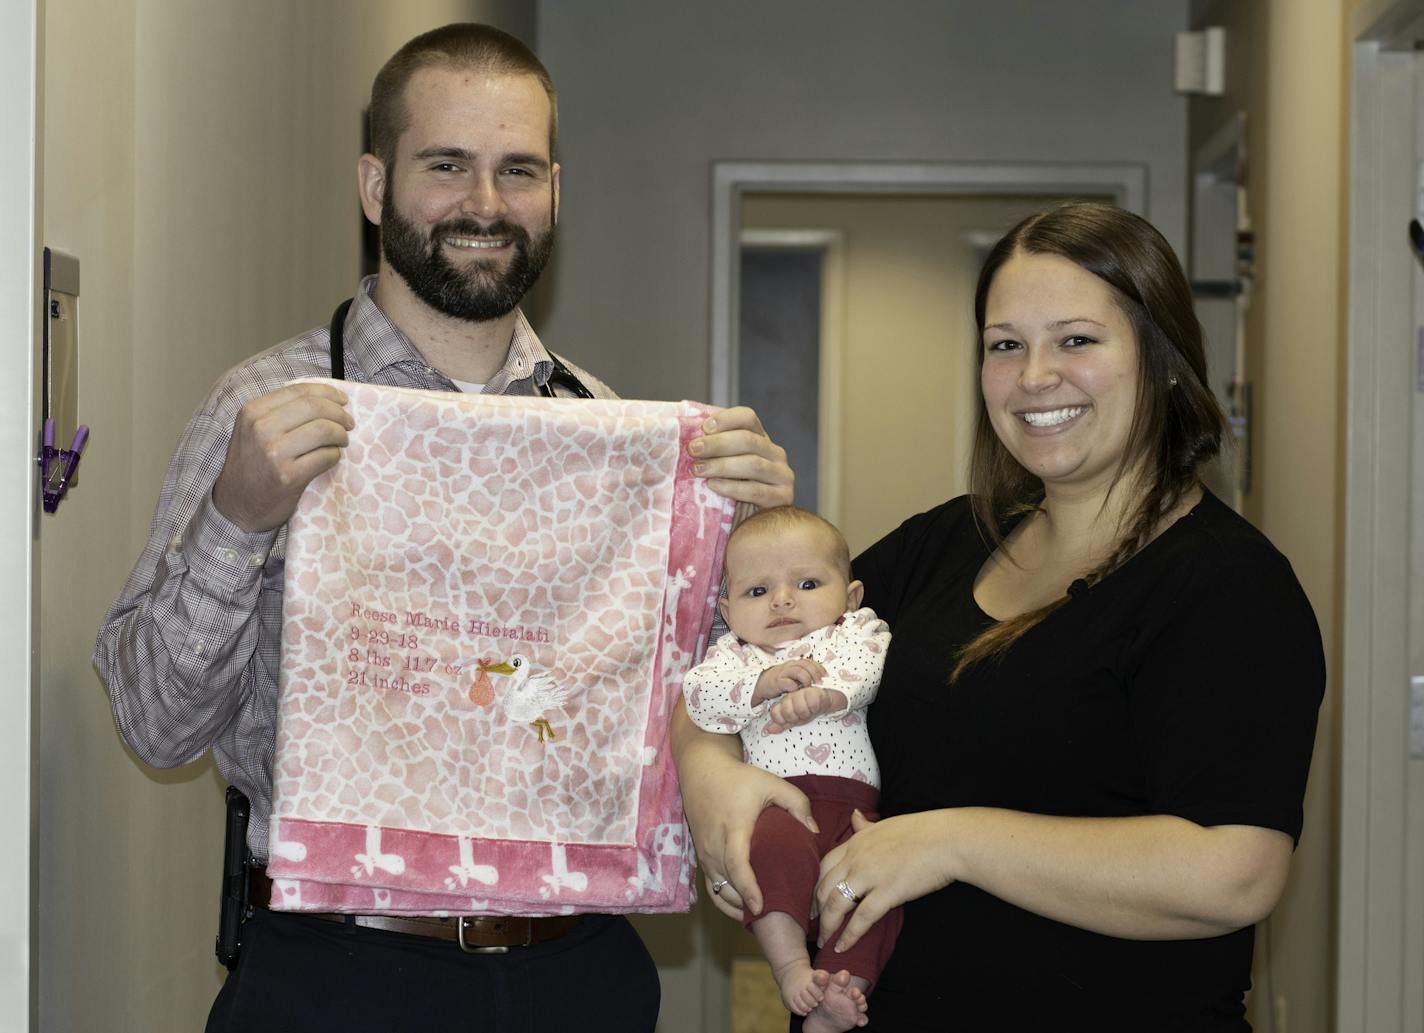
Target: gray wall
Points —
{"points": [[652, 92]]}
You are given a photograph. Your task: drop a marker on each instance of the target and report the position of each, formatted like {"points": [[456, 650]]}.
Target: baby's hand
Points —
{"points": [[803, 705], [787, 677]]}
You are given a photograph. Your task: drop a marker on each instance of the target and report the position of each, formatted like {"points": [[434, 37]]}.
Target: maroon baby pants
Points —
{"points": [[787, 860]]}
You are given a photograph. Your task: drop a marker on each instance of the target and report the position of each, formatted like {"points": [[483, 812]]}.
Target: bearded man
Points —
{"points": [[463, 184]]}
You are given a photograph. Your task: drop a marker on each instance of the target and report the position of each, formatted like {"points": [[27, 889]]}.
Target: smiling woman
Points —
{"points": [[1060, 391], [1093, 755], [1086, 398]]}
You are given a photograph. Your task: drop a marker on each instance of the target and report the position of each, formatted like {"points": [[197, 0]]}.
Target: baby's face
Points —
{"points": [[784, 584]]}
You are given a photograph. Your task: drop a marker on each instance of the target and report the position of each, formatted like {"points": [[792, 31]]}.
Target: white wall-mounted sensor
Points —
{"points": [[1201, 61]]}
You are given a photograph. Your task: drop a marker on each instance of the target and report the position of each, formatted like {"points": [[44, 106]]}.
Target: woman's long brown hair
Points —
{"points": [[1177, 425]]}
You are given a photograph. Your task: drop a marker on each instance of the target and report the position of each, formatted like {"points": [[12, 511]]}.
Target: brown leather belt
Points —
{"points": [[476, 934]]}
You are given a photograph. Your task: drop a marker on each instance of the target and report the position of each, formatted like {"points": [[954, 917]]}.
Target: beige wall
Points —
{"points": [[198, 157], [1287, 70]]}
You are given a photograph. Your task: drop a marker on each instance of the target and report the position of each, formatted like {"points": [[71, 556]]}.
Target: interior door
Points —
{"points": [[779, 372]]}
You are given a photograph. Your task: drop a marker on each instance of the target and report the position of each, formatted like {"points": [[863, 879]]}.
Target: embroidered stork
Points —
{"points": [[529, 695]]}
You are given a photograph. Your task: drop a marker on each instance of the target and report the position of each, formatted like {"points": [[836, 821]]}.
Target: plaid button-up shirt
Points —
{"points": [[191, 647]]}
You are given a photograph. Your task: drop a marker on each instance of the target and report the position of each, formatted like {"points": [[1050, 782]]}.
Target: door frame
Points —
{"points": [[1380, 917], [1125, 182], [19, 315]]}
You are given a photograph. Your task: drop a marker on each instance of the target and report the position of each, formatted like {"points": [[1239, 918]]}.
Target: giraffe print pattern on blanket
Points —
{"points": [[490, 603]]}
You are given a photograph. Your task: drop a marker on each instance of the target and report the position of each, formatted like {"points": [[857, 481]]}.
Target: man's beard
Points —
{"points": [[476, 292]]}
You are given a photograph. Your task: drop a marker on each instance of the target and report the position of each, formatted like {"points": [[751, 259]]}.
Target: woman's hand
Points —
{"points": [[885, 863], [722, 822], [740, 462], [723, 797]]}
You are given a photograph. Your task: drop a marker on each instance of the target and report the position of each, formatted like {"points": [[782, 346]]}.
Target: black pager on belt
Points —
{"points": [[234, 878]]}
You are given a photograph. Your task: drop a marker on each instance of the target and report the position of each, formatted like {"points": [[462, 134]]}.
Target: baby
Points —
{"points": [[794, 677]]}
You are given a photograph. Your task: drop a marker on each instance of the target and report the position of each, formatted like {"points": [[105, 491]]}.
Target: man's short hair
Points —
{"points": [[461, 45], [780, 518]]}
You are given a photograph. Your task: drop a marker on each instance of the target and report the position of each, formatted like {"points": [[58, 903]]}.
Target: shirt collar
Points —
{"points": [[527, 360], [374, 344]]}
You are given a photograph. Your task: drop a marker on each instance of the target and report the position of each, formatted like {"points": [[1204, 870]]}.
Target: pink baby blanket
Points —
{"points": [[490, 604]]}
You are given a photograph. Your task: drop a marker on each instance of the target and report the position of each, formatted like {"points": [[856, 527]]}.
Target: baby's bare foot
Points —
{"points": [[800, 991], [843, 1005]]}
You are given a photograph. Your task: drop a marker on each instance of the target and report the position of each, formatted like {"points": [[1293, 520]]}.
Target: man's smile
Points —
{"points": [[476, 243]]}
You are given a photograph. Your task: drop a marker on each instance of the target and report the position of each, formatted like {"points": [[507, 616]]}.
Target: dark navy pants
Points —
{"points": [[305, 975]]}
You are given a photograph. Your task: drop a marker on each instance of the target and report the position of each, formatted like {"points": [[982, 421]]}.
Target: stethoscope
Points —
{"points": [[561, 376]]}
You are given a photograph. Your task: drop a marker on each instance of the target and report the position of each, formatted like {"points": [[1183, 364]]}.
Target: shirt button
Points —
{"points": [[230, 555], [255, 560], [199, 647]]}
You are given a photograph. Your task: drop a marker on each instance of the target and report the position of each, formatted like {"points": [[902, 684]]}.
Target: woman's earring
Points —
{"points": [[1171, 381]]}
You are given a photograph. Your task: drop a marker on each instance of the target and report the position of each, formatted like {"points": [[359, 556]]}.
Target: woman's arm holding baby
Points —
{"points": [[1148, 878], [723, 796]]}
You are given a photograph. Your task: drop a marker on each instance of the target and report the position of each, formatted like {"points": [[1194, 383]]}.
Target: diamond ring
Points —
{"points": [[844, 889], [717, 887]]}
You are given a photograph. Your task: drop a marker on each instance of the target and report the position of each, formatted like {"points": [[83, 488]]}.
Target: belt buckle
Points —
{"points": [[470, 948]]}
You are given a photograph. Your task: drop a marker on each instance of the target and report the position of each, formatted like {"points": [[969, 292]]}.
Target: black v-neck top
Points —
{"points": [[1186, 682]]}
